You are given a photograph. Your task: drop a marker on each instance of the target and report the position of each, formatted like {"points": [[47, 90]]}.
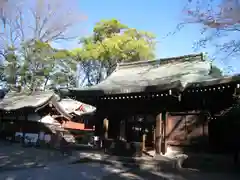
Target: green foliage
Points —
{"points": [[216, 72], [27, 58], [107, 28], [131, 45], [36, 65], [113, 42]]}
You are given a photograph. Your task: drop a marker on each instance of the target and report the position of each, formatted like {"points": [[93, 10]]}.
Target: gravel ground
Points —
{"points": [[95, 171], [15, 156], [16, 161]]}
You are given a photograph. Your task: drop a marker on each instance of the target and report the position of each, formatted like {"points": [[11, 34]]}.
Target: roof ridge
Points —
{"points": [[23, 93], [162, 61]]}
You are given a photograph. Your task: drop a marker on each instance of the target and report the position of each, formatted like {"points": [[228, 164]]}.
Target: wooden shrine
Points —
{"points": [[41, 114], [153, 105]]}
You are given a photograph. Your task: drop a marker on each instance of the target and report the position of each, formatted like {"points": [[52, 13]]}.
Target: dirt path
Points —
{"points": [[136, 174], [16, 156]]}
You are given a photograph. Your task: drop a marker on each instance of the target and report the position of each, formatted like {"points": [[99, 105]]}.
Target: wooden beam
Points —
{"points": [[154, 137], [143, 142], [105, 128], [164, 132], [188, 113], [158, 135], [123, 129], [160, 144]]}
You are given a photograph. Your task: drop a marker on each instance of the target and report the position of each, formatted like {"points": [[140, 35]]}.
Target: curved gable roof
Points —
{"points": [[157, 75]]}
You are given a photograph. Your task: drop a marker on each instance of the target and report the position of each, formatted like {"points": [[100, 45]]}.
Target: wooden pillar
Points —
{"points": [[160, 133], [143, 142], [154, 136], [204, 124], [164, 132], [105, 128], [123, 130], [144, 127], [105, 134]]}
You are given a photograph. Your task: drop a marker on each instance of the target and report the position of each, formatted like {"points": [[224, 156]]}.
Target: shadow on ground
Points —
{"points": [[14, 156], [106, 167], [156, 169], [211, 163]]}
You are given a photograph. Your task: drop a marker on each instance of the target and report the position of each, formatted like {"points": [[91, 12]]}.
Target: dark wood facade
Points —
{"points": [[167, 119], [48, 119], [189, 132], [161, 115], [25, 121]]}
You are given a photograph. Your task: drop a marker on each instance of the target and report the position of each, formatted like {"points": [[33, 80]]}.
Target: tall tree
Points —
{"points": [[35, 66], [28, 60], [41, 20], [113, 42], [221, 24]]}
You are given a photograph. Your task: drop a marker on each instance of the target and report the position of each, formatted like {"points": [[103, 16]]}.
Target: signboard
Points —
{"points": [[30, 138], [47, 138], [41, 136], [18, 136]]}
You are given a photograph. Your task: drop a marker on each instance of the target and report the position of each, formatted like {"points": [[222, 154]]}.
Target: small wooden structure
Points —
{"points": [[158, 104], [40, 114]]}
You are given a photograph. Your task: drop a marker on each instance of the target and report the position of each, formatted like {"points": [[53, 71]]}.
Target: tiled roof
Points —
{"points": [[14, 101], [163, 74]]}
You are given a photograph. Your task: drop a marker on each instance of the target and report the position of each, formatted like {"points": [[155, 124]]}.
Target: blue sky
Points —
{"points": [[157, 16]]}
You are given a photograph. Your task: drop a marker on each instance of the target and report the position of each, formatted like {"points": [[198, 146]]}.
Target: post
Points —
{"points": [[143, 142], [105, 128], [123, 130], [158, 134], [164, 131], [105, 134], [154, 136], [144, 128]]}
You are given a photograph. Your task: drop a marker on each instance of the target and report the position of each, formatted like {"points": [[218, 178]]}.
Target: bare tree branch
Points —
{"points": [[47, 21], [220, 22]]}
